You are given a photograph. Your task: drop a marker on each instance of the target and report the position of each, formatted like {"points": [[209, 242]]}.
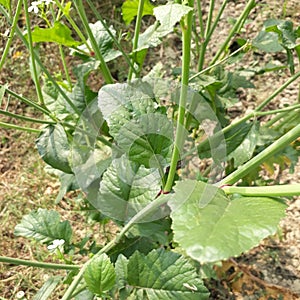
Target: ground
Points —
{"points": [[273, 267]]}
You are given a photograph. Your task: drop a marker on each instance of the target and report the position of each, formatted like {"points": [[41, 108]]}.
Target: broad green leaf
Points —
{"points": [[130, 9], [163, 275], [85, 295], [47, 288], [44, 226], [245, 150], [6, 4], [121, 102], [167, 16], [126, 188], [147, 140], [211, 227], [53, 147], [103, 40], [268, 41], [100, 275], [59, 34], [286, 34]]}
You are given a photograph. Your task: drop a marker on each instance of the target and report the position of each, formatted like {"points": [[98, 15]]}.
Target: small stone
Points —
{"points": [[296, 286]]}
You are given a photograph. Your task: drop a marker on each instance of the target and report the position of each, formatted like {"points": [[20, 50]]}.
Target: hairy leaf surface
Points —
{"points": [[100, 275], [44, 226], [160, 275]]}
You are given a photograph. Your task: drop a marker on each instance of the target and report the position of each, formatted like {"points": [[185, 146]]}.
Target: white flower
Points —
{"points": [[20, 295], [56, 244], [34, 6]]}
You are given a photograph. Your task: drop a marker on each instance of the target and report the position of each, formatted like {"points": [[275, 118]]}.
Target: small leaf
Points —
{"points": [[104, 42], [47, 288], [211, 227], [6, 4], [164, 275], [59, 34], [44, 226], [53, 147], [245, 150], [130, 9], [100, 275], [167, 16]]}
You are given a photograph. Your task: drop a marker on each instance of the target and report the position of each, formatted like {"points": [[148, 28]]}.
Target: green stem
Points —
{"points": [[209, 34], [264, 191], [103, 66], [136, 35], [73, 24], [23, 262], [16, 127], [279, 90], [279, 144], [186, 25], [118, 45], [11, 34], [64, 63], [32, 56], [21, 117], [234, 30], [209, 18], [158, 202], [30, 103]]}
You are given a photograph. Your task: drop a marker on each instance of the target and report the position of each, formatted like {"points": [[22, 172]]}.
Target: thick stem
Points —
{"points": [[136, 35], [287, 190], [186, 57], [279, 144]]}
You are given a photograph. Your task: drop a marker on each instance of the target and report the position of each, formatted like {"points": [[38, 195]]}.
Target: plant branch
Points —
{"points": [[186, 25], [103, 66], [12, 126], [284, 190], [279, 144], [43, 265], [136, 35]]}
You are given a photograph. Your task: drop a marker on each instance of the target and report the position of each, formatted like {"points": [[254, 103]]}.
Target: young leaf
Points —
{"points": [[44, 226], [126, 188], [53, 147], [47, 288], [167, 16], [130, 9], [6, 4], [246, 148], [100, 275], [163, 275], [59, 34], [104, 42], [211, 227]]}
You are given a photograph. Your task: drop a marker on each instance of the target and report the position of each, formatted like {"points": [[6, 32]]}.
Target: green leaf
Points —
{"points": [[126, 188], [245, 150], [53, 147], [44, 226], [167, 16], [104, 42], [100, 275], [59, 34], [130, 9], [6, 4], [47, 288], [163, 275], [2, 92], [211, 227], [286, 35]]}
